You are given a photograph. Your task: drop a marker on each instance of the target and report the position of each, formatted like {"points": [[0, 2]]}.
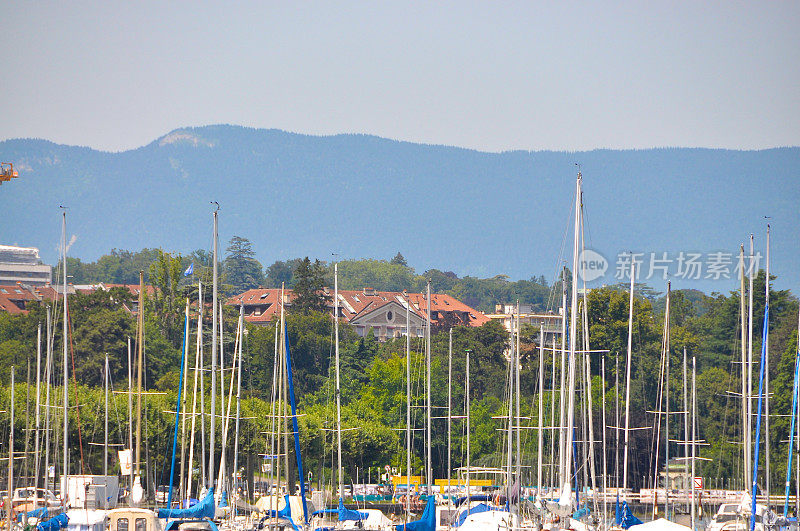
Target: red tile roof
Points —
{"points": [[262, 303]]}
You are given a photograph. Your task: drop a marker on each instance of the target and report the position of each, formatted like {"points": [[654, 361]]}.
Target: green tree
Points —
{"points": [[308, 287], [242, 270], [399, 259]]}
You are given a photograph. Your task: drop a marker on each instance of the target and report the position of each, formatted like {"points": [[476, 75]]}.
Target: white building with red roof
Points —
{"points": [[383, 312]]}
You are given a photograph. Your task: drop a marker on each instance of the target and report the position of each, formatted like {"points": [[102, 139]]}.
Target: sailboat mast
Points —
{"points": [[666, 415], [48, 378], [429, 467], [573, 323], [767, 477], [65, 366], [449, 413], [130, 409], [466, 406], [563, 387], [212, 429], [628, 381], [239, 394], [9, 510], [338, 388], [38, 405], [540, 448], [105, 424], [749, 436], [408, 410], [139, 362], [694, 436], [745, 389], [518, 471]]}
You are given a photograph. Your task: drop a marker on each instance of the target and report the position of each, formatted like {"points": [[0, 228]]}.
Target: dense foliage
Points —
{"points": [[373, 373]]}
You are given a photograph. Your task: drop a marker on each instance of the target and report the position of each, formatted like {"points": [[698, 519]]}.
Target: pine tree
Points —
{"points": [[309, 281]]}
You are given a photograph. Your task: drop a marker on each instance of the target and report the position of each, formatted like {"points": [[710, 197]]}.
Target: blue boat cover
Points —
{"points": [[204, 509], [426, 523], [346, 514], [54, 524], [624, 516], [480, 508], [285, 513], [580, 513], [223, 500], [39, 513]]}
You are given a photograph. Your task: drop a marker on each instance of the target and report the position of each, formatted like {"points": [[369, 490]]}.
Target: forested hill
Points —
{"points": [[358, 196]]}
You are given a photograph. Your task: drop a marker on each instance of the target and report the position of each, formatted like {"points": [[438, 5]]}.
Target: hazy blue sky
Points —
{"points": [[486, 75]]}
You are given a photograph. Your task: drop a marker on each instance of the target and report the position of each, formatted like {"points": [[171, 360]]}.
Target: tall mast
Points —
{"points": [[130, 409], [105, 425], [562, 390], [605, 443], [539, 458], [203, 467], [239, 393], [686, 417], [449, 412], [139, 362], [694, 435], [466, 405], [408, 410], [628, 380], [767, 477], [48, 377], [573, 323], [429, 467], [745, 388], [338, 388], [666, 415], [38, 404], [212, 431], [9, 512], [751, 272], [65, 366], [519, 392]]}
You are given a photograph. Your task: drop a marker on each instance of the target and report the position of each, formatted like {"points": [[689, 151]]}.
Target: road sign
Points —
{"points": [[698, 483]]}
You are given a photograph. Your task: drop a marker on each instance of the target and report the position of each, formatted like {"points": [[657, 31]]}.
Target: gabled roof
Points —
{"points": [[354, 304]]}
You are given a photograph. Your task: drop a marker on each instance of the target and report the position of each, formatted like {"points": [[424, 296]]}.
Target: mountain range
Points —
{"points": [[360, 196]]}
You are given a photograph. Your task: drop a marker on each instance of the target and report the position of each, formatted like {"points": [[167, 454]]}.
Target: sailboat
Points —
{"points": [[366, 519]]}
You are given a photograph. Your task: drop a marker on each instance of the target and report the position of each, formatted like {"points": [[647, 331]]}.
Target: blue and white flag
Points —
{"points": [[189, 270]]}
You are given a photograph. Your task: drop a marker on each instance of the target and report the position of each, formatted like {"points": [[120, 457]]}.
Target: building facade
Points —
{"points": [[381, 312], [22, 264]]}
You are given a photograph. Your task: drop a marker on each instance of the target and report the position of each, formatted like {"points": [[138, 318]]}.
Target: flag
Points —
{"points": [[189, 270]]}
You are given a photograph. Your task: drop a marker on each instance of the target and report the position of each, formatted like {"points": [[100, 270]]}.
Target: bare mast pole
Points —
{"points": [[628, 381], [65, 366], [745, 389], [212, 429]]}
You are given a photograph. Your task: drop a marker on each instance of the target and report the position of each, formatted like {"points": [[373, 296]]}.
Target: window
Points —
{"points": [[389, 315], [122, 524], [141, 524]]}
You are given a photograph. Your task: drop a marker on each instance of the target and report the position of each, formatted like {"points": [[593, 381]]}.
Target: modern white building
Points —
{"points": [[22, 264]]}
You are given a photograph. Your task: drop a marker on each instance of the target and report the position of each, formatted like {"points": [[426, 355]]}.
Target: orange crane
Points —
{"points": [[7, 171]]}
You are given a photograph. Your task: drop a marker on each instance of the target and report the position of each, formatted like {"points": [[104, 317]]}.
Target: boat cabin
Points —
{"points": [[133, 519]]}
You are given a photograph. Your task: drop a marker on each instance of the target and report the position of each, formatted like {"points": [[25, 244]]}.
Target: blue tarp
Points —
{"points": [[285, 513], [624, 516], [54, 524], [346, 514], [580, 513], [480, 508], [426, 523], [204, 509], [39, 513]]}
